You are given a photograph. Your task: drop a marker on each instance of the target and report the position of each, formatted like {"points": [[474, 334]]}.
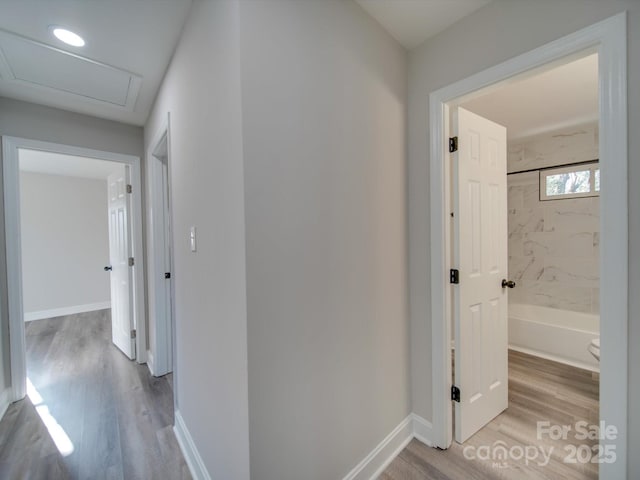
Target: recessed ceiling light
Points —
{"points": [[67, 36]]}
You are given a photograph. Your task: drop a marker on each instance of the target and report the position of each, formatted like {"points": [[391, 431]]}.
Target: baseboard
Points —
{"points": [[422, 429], [72, 310], [150, 363], [370, 468], [189, 450], [555, 358], [380, 457], [5, 400]]}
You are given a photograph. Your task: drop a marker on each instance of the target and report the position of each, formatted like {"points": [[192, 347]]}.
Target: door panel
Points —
{"points": [[167, 262], [121, 272], [480, 254]]}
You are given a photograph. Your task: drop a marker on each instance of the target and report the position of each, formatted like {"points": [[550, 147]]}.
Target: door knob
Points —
{"points": [[508, 283], [108, 268]]}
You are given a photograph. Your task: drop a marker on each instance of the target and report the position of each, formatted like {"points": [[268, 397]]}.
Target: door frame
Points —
{"points": [[11, 184], [609, 39], [161, 359]]}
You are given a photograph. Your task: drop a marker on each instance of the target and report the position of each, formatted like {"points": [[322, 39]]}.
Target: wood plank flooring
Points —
{"points": [[118, 418], [539, 390], [110, 411]]}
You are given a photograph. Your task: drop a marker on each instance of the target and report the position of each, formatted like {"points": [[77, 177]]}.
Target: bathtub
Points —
{"points": [[559, 335]]}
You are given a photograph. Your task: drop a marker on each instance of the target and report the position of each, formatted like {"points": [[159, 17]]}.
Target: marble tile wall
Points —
{"points": [[553, 245], [567, 145]]}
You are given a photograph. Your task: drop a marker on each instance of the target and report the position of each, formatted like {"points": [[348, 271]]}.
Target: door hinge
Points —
{"points": [[131, 262], [133, 334], [453, 144], [454, 276], [129, 189], [455, 393]]}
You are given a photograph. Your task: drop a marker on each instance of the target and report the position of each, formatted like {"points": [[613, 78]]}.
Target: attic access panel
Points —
{"points": [[41, 66]]}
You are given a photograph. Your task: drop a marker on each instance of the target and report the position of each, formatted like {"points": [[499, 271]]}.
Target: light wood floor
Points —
{"points": [[117, 417], [538, 390]]}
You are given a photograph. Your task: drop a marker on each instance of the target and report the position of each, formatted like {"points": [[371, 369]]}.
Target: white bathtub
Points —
{"points": [[559, 335]]}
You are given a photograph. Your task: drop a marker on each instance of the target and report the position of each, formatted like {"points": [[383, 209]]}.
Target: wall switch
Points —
{"points": [[192, 239]]}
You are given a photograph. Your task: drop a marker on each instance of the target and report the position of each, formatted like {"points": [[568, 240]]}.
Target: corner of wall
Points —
{"points": [[150, 364], [374, 464], [5, 401], [422, 430]]}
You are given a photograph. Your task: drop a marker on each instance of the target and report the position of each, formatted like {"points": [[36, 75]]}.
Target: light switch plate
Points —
{"points": [[192, 239]]}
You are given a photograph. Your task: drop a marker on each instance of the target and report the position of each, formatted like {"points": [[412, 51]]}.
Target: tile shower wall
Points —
{"points": [[553, 245]]}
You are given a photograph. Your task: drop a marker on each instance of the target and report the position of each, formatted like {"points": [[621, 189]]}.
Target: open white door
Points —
{"points": [[480, 256], [122, 327], [168, 308]]}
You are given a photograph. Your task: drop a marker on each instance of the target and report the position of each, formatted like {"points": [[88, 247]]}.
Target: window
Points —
{"points": [[581, 180]]}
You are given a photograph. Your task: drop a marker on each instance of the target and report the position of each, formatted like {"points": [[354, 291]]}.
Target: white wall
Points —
{"points": [[65, 242], [324, 107], [26, 120], [318, 129], [202, 92], [495, 33]]}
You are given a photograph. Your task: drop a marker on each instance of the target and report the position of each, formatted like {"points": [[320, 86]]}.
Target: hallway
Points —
{"points": [[90, 412]]}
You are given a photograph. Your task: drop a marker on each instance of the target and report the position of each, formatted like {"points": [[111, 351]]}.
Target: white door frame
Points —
{"points": [[609, 39], [160, 358], [11, 181]]}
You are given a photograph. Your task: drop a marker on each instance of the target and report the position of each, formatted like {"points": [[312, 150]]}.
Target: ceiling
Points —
{"points": [[129, 44], [37, 161], [411, 22], [561, 97], [117, 73]]}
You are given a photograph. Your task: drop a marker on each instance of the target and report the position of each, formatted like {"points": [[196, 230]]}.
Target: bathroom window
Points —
{"points": [[575, 181]]}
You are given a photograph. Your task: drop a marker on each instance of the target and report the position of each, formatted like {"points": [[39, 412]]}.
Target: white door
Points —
{"points": [[167, 268], [121, 272], [480, 255]]}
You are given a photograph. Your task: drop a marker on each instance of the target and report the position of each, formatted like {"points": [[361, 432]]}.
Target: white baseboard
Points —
{"points": [[59, 312], [370, 468], [5, 400], [422, 430], [380, 457], [150, 362], [189, 450]]}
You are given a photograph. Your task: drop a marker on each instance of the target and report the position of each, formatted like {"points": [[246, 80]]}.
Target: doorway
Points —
{"points": [[11, 154], [160, 358], [538, 198], [608, 38]]}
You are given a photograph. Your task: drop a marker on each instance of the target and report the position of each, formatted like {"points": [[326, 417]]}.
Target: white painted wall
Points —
{"points": [[323, 96], [26, 120], [318, 129], [495, 33], [202, 92], [5, 354], [65, 242]]}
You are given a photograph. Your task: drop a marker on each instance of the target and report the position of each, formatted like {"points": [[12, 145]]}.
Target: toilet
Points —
{"points": [[594, 348]]}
